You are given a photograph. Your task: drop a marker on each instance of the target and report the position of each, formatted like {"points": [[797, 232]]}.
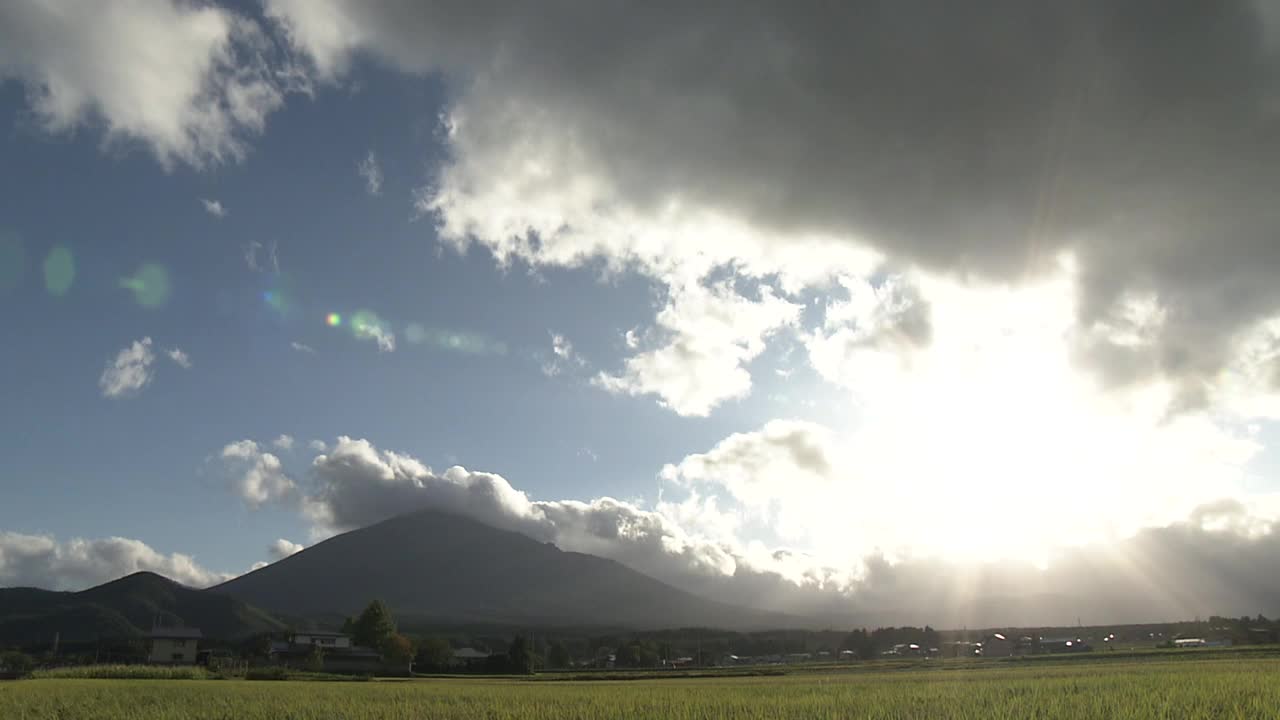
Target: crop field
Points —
{"points": [[1137, 690]]}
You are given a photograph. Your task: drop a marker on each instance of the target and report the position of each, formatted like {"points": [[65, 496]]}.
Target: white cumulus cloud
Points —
{"points": [[258, 475], [282, 548], [707, 336], [188, 80], [46, 562], [129, 372], [214, 207]]}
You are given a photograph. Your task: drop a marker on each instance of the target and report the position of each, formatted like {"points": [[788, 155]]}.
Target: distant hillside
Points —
{"points": [[123, 608], [446, 568]]}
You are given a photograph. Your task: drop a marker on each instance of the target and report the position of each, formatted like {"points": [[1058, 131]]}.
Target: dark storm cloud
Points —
{"points": [[976, 138]]}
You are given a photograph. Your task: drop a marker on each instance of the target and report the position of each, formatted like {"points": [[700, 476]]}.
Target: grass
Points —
{"points": [[1138, 690], [121, 672]]}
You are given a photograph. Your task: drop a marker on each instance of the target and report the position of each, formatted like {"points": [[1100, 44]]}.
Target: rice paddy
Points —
{"points": [[1230, 687]]}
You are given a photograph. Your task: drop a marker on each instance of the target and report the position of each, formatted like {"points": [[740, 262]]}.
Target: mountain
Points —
{"points": [[123, 608], [437, 567]]}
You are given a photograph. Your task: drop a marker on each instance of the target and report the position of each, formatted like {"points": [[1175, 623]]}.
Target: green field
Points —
{"points": [[1183, 689]]}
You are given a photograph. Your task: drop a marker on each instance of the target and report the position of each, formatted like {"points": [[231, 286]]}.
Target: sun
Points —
{"points": [[990, 444]]}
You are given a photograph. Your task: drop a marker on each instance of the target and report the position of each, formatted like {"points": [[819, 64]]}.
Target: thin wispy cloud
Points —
{"points": [[369, 327], [179, 357], [563, 357], [214, 207], [371, 172], [270, 263], [301, 347]]}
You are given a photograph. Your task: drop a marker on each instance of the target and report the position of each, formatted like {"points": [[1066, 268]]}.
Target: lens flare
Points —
{"points": [[333, 320], [59, 271], [150, 285], [275, 300], [465, 343]]}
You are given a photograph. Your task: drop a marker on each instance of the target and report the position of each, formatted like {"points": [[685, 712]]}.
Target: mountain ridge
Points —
{"points": [[126, 607]]}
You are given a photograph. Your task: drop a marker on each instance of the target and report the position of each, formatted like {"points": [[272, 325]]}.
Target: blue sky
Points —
{"points": [[80, 464], [711, 295]]}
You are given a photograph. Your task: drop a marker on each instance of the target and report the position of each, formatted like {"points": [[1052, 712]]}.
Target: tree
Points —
{"points": [[315, 661], [434, 654], [635, 654], [15, 663], [558, 655], [519, 659], [398, 649], [375, 627]]}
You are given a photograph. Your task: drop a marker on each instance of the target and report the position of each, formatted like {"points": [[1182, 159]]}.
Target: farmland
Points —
{"points": [[1230, 687]]}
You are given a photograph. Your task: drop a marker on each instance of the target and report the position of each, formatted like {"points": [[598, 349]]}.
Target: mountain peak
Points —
{"points": [[442, 567]]}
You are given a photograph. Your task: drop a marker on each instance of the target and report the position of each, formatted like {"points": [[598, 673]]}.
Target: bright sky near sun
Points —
{"points": [[771, 295]]}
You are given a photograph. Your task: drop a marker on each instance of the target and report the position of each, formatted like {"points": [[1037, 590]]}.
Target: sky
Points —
{"points": [[900, 311]]}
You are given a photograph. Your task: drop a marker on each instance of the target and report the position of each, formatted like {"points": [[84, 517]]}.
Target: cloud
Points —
{"points": [[563, 357], [282, 548], [251, 257], [369, 170], [368, 326], [258, 476], [179, 357], [284, 442], [708, 335], [129, 372], [773, 139], [356, 484], [189, 81], [317, 445], [301, 347], [214, 208], [786, 518], [43, 561]]}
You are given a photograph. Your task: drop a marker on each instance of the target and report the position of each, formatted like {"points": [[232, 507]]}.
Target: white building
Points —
{"points": [[174, 645]]}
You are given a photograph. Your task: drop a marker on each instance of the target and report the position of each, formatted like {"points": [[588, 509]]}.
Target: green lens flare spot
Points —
{"points": [[333, 320], [59, 271], [150, 285]]}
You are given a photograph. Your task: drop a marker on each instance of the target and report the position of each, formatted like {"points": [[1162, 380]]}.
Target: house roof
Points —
{"points": [[467, 653], [175, 633], [320, 633]]}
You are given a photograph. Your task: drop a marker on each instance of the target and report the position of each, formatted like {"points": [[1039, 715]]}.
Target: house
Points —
{"points": [[469, 657], [324, 640], [173, 645], [336, 652]]}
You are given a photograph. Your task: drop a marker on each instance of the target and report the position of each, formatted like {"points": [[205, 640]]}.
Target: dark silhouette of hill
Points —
{"points": [[436, 566], [123, 608]]}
